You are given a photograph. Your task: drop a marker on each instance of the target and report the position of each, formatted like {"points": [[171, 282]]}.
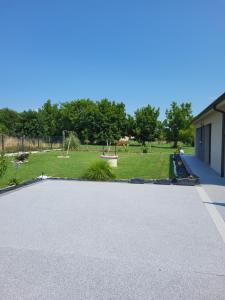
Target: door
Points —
{"points": [[199, 146], [207, 144]]}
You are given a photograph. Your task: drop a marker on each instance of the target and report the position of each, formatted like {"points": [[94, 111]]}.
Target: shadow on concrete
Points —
{"points": [[216, 203]]}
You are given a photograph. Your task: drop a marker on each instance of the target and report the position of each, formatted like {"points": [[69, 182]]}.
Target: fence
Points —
{"points": [[16, 144]]}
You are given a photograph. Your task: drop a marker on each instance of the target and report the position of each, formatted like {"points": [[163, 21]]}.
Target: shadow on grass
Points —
{"points": [[162, 147], [171, 172]]}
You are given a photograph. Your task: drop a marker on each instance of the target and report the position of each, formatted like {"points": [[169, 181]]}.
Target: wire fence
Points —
{"points": [[10, 144]]}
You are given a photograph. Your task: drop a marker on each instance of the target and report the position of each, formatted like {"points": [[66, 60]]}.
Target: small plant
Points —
{"points": [[126, 147], [13, 181], [99, 171], [3, 164], [72, 142], [145, 149], [22, 157]]}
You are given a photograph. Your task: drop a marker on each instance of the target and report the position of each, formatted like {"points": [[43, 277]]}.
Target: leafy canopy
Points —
{"points": [[178, 118], [146, 119]]}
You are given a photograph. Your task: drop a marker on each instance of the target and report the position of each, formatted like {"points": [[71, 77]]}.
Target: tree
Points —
{"points": [[110, 121], [178, 118], [160, 132], [10, 121], [146, 119], [80, 116], [31, 124], [130, 126], [187, 135], [50, 117]]}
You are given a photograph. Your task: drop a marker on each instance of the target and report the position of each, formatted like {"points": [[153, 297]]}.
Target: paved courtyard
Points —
{"points": [[80, 240], [211, 182]]}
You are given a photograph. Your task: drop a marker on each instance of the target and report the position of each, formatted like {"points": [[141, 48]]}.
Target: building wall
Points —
{"points": [[215, 119]]}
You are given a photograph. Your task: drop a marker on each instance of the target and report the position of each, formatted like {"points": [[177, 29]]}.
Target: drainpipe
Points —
{"points": [[223, 139]]}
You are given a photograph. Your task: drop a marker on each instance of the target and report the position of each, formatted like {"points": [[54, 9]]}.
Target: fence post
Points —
{"points": [[63, 140], [23, 143], [49, 143]]}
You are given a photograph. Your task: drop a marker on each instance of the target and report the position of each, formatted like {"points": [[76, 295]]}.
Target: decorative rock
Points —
{"points": [[137, 180], [163, 181]]}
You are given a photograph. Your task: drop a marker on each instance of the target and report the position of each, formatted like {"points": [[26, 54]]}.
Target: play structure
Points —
{"points": [[68, 138]]}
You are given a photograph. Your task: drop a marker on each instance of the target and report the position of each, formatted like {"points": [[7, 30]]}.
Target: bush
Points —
{"points": [[13, 181], [72, 142], [145, 149], [126, 147], [22, 157], [99, 171], [3, 164]]}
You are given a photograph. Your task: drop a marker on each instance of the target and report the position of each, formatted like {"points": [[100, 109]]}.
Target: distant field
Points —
{"points": [[131, 164]]}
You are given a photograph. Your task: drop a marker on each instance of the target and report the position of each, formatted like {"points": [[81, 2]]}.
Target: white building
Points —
{"points": [[210, 135]]}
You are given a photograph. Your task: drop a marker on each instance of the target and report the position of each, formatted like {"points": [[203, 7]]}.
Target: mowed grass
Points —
{"points": [[154, 165], [136, 148]]}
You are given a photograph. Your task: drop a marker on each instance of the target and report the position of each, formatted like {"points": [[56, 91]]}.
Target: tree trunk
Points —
{"points": [[175, 144]]}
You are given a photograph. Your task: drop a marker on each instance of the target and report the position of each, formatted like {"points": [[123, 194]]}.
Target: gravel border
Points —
{"points": [[131, 181]]}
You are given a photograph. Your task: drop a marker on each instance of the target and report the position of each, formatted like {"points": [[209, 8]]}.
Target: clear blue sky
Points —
{"points": [[137, 51]]}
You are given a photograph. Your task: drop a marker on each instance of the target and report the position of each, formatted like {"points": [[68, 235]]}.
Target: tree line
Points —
{"points": [[100, 122]]}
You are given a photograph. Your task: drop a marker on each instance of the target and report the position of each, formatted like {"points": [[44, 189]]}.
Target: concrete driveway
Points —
{"points": [[79, 240], [211, 182]]}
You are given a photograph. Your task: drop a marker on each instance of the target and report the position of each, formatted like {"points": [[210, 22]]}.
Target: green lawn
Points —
{"points": [[137, 148], [152, 165]]}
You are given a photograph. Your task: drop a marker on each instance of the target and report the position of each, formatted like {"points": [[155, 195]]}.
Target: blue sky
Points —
{"points": [[137, 51]]}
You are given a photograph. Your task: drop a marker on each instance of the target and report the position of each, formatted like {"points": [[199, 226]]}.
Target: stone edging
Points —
{"points": [[190, 181], [18, 186], [131, 181]]}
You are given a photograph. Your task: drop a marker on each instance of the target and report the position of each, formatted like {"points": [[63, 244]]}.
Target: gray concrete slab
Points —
{"points": [[80, 240], [213, 184]]}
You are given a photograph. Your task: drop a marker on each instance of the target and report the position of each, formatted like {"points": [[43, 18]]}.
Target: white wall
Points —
{"points": [[215, 119]]}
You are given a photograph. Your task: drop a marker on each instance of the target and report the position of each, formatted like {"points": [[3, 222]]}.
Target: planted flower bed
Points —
{"points": [[183, 175]]}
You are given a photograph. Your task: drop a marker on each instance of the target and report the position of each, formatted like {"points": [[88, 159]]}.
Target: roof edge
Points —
{"points": [[210, 107]]}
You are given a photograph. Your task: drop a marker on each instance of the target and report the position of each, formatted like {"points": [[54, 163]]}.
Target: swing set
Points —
{"points": [[66, 135]]}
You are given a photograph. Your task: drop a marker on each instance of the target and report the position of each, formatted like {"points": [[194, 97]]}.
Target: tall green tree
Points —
{"points": [[146, 119], [80, 116], [130, 126], [50, 117], [31, 124], [111, 121], [160, 132], [10, 121], [178, 118], [187, 135]]}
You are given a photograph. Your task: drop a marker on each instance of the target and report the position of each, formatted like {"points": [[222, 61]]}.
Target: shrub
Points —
{"points": [[126, 147], [22, 157], [3, 164], [72, 142], [99, 171], [145, 149], [13, 181]]}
